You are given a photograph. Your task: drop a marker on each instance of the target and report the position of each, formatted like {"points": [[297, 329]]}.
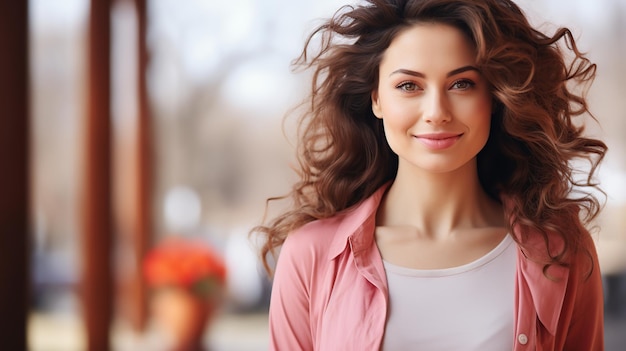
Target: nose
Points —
{"points": [[436, 109]]}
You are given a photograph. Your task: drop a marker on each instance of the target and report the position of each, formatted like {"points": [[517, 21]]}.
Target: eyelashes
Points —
{"points": [[459, 84], [408, 86], [463, 84]]}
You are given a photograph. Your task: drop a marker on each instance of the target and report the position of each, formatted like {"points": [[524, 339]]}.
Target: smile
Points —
{"points": [[438, 141]]}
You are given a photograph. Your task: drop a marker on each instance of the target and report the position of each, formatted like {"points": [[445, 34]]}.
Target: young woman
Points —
{"points": [[438, 208]]}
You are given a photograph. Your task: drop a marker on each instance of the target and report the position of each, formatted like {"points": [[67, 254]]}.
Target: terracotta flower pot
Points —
{"points": [[183, 316], [188, 278]]}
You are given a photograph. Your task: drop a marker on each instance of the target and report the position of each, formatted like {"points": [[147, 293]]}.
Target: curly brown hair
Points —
{"points": [[538, 83]]}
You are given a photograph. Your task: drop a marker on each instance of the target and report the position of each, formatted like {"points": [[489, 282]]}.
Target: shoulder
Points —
{"points": [[578, 255], [584, 260], [304, 257], [324, 239], [311, 237]]}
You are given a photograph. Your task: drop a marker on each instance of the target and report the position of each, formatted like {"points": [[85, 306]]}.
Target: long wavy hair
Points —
{"points": [[538, 83]]}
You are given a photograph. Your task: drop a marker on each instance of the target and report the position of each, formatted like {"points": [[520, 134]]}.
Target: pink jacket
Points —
{"points": [[330, 292]]}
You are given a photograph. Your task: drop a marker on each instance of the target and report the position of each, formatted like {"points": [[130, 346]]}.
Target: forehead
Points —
{"points": [[431, 45]]}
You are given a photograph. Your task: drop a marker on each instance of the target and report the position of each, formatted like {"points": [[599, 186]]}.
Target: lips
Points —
{"points": [[438, 141]]}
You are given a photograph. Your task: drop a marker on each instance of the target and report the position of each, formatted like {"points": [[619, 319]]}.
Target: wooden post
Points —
{"points": [[97, 277], [143, 224], [132, 159], [14, 175]]}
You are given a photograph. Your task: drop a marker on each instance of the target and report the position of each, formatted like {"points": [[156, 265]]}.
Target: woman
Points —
{"points": [[438, 208]]}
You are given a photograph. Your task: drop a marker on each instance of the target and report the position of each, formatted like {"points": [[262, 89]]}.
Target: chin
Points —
{"points": [[442, 166]]}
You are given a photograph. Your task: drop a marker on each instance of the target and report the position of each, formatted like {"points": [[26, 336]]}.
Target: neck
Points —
{"points": [[438, 204]]}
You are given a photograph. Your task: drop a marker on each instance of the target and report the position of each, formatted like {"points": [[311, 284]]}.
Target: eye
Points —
{"points": [[463, 84], [408, 87]]}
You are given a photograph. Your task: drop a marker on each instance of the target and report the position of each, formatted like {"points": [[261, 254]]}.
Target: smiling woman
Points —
{"points": [[434, 103], [438, 144]]}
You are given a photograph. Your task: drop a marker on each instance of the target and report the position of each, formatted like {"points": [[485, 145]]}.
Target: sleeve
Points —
{"points": [[586, 330], [289, 319]]}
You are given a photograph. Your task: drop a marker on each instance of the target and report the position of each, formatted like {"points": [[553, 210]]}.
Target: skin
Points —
{"points": [[436, 110]]}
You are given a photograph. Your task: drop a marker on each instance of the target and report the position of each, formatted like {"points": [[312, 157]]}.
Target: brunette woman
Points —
{"points": [[438, 208]]}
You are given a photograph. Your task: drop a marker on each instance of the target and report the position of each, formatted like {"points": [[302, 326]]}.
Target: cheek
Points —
{"points": [[398, 116], [487, 106], [483, 113], [482, 118], [477, 111]]}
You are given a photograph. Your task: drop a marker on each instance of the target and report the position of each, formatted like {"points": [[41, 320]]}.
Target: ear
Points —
{"points": [[376, 105]]}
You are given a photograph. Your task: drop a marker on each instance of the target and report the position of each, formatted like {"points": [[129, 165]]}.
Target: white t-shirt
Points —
{"points": [[469, 307]]}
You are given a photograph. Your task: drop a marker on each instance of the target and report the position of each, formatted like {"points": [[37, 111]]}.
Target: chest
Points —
{"points": [[470, 307], [350, 304]]}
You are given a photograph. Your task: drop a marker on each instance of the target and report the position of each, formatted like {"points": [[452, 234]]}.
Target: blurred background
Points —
{"points": [[193, 142]]}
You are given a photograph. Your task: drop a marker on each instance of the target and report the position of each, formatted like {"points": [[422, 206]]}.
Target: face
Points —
{"points": [[434, 103]]}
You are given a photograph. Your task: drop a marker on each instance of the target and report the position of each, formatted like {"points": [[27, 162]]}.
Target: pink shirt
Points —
{"points": [[330, 292]]}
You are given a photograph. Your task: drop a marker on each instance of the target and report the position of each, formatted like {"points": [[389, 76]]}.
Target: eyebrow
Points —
{"points": [[422, 75]]}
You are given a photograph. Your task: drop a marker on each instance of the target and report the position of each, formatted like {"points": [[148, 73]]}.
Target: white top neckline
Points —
{"points": [[444, 272]]}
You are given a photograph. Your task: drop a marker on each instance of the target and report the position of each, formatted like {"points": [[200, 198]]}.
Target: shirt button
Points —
{"points": [[523, 339]]}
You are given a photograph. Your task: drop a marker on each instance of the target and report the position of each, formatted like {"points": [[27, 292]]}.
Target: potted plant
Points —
{"points": [[187, 279]]}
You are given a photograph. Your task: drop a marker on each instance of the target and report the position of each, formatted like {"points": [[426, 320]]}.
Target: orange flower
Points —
{"points": [[188, 264]]}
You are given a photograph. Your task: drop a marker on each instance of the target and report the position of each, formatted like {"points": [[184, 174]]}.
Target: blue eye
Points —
{"points": [[463, 84]]}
